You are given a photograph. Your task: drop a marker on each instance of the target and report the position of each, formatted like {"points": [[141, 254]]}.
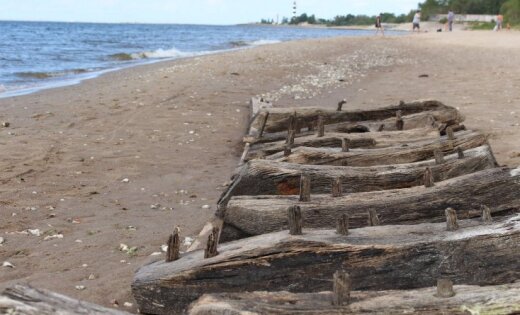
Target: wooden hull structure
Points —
{"points": [[328, 201]]}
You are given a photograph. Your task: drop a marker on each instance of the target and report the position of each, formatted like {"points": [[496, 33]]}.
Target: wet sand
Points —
{"points": [[123, 158]]}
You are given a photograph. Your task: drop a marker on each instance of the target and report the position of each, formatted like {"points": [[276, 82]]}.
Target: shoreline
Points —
{"points": [[127, 156]]}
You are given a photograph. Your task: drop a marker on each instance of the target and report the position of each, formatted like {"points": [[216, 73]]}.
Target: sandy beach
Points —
{"points": [[123, 158]]}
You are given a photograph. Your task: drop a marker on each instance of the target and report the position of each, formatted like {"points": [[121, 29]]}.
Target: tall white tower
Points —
{"points": [[294, 9]]}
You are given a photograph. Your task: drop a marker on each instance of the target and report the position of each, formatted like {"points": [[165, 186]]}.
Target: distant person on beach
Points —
{"points": [[451, 18], [416, 21], [379, 26], [500, 19]]}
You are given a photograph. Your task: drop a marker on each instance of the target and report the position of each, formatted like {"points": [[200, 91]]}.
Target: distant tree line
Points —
{"points": [[509, 8]]}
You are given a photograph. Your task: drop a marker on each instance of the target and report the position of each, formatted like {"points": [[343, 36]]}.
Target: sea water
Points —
{"points": [[40, 55]]}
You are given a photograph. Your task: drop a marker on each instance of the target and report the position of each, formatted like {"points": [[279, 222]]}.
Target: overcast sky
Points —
{"points": [[189, 11]]}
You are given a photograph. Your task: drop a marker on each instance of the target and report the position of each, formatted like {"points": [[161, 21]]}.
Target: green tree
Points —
{"points": [[511, 11]]}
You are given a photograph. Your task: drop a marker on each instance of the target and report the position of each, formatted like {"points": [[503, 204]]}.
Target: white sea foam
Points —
{"points": [[161, 53], [515, 172], [262, 42]]}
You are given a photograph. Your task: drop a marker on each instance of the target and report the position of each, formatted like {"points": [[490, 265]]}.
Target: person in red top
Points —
{"points": [[500, 19]]}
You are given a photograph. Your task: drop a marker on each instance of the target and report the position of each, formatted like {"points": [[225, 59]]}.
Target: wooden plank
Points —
{"points": [[414, 152], [377, 258], [357, 140], [279, 117], [263, 177], [437, 120], [25, 300], [500, 299], [497, 188]]}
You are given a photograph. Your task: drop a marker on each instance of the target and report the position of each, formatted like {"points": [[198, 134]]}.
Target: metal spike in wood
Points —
{"points": [[342, 285], [445, 288], [337, 189], [449, 132], [321, 126], [345, 144], [264, 123], [451, 220], [287, 150], [399, 123], [174, 243], [340, 104], [290, 137], [373, 219], [439, 156], [294, 215], [460, 153], [343, 224], [212, 244], [305, 188], [428, 178], [486, 214]]}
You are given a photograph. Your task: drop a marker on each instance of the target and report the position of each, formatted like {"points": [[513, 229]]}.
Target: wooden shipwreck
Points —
{"points": [[329, 201]]}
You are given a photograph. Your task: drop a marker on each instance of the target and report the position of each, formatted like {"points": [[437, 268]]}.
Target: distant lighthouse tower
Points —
{"points": [[294, 9]]}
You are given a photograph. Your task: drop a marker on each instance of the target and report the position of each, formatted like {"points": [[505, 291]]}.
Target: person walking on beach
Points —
{"points": [[379, 26], [416, 21], [500, 19], [451, 17]]}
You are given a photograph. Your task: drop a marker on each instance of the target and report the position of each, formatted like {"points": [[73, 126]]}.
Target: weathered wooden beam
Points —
{"points": [[496, 188], [414, 152], [342, 226], [500, 299], [335, 140], [342, 285], [451, 219], [263, 177], [305, 188], [377, 258], [429, 180], [294, 215], [212, 243], [279, 117], [321, 126], [337, 188], [25, 300]]}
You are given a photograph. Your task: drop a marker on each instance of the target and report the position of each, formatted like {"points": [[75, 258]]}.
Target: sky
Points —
{"points": [[189, 11]]}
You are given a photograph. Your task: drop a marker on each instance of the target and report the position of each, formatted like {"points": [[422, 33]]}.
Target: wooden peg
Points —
{"points": [[211, 246], [340, 104], [337, 189], [401, 103], [399, 122], [287, 150], [321, 126], [295, 219], [342, 285], [449, 132], [428, 178], [451, 219], [460, 152], [343, 224], [292, 122], [290, 137], [264, 123], [486, 214], [439, 156], [445, 288], [345, 145], [373, 219], [305, 188], [174, 243], [381, 128]]}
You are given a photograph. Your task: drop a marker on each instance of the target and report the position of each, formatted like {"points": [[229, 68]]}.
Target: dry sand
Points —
{"points": [[174, 129]]}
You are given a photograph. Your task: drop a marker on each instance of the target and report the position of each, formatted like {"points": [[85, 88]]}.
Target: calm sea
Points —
{"points": [[39, 55]]}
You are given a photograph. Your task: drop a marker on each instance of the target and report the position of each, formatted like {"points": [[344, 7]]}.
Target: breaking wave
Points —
{"points": [[243, 43]]}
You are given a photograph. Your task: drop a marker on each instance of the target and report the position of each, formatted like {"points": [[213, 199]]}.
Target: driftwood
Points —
{"points": [[279, 117], [500, 299], [263, 177], [376, 258], [356, 140], [414, 152], [24, 300], [437, 120], [498, 189]]}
